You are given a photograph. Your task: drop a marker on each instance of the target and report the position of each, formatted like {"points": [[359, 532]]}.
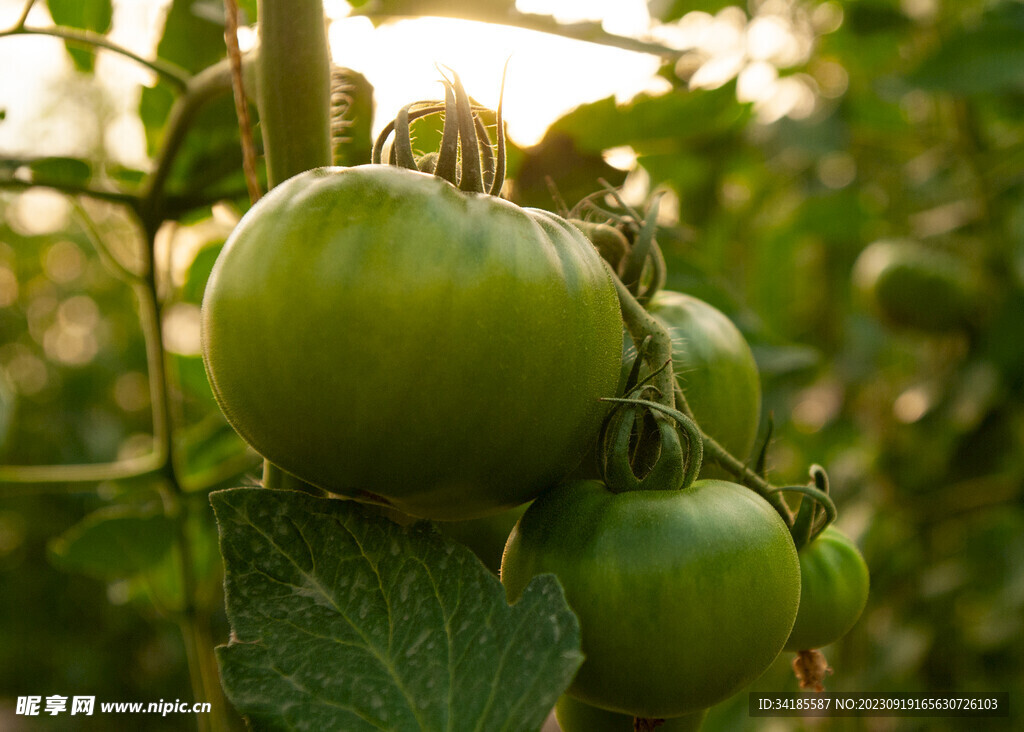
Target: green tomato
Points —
{"points": [[913, 286], [575, 716], [715, 369], [834, 581], [375, 330], [683, 596]]}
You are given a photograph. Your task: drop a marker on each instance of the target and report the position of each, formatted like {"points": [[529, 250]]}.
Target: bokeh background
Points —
{"points": [[788, 135]]}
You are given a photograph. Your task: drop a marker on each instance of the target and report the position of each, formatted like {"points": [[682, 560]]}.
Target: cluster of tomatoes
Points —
{"points": [[393, 333]]}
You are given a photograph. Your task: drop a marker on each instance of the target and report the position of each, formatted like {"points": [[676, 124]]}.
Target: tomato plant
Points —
{"points": [[402, 335], [355, 279]]}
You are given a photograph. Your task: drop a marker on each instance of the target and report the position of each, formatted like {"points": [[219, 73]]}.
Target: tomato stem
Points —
{"points": [[820, 498], [641, 326], [294, 87]]}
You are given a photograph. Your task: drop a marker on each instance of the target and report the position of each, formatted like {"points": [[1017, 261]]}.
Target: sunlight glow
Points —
{"points": [[51, 111], [547, 75]]}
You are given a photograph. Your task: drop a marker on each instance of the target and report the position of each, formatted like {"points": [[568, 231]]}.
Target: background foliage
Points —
{"points": [[913, 131]]}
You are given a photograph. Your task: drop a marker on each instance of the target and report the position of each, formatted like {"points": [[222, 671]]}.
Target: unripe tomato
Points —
{"points": [[715, 368], [683, 596], [575, 716], [913, 286], [834, 581], [375, 330]]}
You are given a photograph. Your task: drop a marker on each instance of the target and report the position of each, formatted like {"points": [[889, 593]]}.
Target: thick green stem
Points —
{"points": [[294, 81], [293, 76]]}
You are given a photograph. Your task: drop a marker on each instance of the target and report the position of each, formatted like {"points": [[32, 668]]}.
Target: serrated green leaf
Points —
{"points": [[93, 15], [115, 542], [61, 171], [344, 620]]}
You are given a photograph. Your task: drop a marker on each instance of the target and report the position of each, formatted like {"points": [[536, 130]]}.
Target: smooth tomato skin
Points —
{"points": [[683, 596], [715, 369], [373, 329], [834, 580], [575, 716]]}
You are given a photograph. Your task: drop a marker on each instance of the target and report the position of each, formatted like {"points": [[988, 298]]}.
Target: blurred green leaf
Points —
{"points": [[61, 171], [388, 627], [191, 375], [647, 123], [114, 542], [248, 8], [193, 36], [556, 167], [978, 60], [93, 15], [215, 455], [154, 105], [199, 272]]}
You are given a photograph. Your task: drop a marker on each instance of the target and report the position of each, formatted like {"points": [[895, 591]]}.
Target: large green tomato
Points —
{"points": [[683, 596], [913, 286], [575, 716], [375, 330], [834, 581], [715, 369]]}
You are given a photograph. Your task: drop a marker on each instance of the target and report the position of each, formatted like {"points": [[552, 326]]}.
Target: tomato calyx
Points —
{"points": [[813, 516], [625, 239], [673, 468], [481, 166]]}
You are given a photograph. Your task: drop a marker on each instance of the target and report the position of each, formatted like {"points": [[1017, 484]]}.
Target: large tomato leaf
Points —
{"points": [[344, 620], [93, 15]]}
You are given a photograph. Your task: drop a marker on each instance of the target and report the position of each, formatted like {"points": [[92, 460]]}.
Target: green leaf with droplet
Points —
{"points": [[342, 619]]}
